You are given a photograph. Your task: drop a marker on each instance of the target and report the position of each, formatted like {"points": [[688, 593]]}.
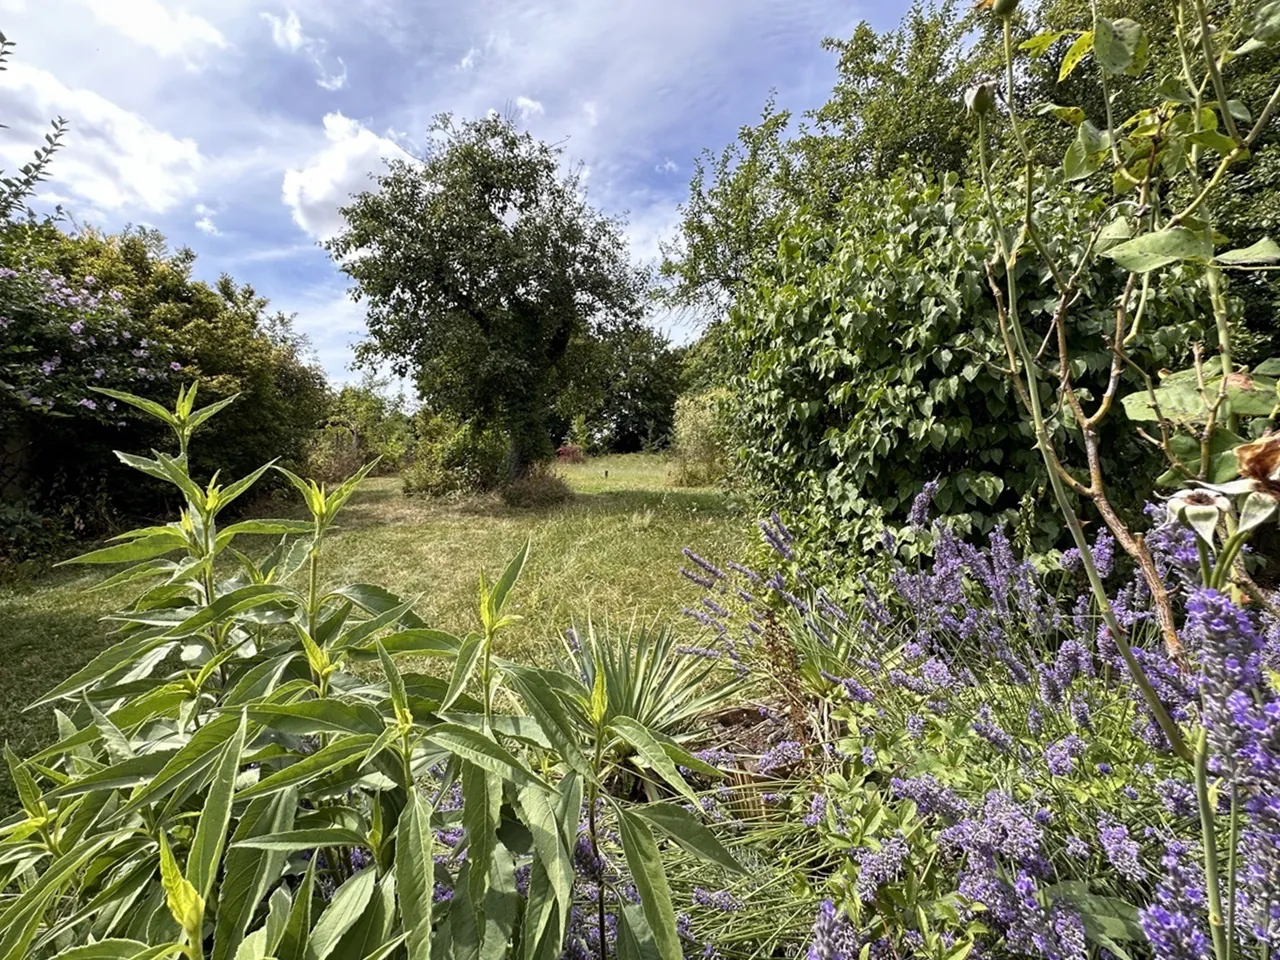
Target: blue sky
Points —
{"points": [[238, 128]]}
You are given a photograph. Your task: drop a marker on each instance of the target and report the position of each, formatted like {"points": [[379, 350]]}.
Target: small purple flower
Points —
{"points": [[1120, 849], [87, 404], [919, 513]]}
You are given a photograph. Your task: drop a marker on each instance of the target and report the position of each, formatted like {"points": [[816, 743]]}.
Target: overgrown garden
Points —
{"points": [[991, 350]]}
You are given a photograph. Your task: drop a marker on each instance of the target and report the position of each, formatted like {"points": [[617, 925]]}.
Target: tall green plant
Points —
{"points": [[230, 783]]}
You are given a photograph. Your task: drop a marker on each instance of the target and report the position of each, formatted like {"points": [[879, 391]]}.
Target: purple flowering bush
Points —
{"points": [[977, 772]]}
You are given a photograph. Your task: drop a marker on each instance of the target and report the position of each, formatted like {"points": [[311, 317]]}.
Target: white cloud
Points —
{"points": [[170, 31], [316, 191], [592, 113], [469, 59], [286, 31], [288, 35], [529, 107], [114, 159], [667, 166], [205, 224]]}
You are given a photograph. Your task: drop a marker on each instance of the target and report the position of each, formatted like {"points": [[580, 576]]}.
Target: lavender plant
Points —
{"points": [[979, 774]]}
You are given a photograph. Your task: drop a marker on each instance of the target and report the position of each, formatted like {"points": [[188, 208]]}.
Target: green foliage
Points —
{"points": [[876, 359], [123, 312], [450, 458], [700, 449], [479, 268], [363, 423], [226, 785]]}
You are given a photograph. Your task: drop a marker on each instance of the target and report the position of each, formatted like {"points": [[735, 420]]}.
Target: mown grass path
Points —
{"points": [[613, 552]]}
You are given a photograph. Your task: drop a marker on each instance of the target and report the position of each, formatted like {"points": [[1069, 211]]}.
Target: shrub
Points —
{"points": [[122, 312], [225, 785], [873, 357], [451, 458], [570, 453], [539, 488], [700, 450]]}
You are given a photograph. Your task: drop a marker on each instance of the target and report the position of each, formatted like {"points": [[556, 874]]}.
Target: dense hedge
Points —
{"points": [[872, 362]]}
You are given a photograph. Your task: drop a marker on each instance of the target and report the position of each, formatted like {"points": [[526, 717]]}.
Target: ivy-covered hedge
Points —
{"points": [[872, 363]]}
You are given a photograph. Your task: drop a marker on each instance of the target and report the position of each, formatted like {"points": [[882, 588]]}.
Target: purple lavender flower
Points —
{"points": [[986, 727], [930, 797], [878, 867], [817, 811], [834, 937], [785, 754], [721, 900], [778, 536], [1172, 923], [1060, 757], [919, 514], [1120, 849]]}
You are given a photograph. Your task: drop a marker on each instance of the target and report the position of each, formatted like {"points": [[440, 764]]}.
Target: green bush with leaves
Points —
{"points": [[230, 783], [875, 362], [700, 453], [451, 457]]}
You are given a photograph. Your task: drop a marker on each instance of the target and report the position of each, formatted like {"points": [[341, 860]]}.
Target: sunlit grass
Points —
{"points": [[611, 553]]}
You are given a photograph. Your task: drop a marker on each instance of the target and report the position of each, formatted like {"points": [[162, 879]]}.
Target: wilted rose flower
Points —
{"points": [[1260, 462]]}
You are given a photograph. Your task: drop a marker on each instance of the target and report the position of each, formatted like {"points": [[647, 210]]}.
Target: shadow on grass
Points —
{"points": [[40, 648]]}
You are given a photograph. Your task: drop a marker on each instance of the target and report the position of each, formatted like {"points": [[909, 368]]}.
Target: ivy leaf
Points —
{"points": [[1154, 250], [1075, 53]]}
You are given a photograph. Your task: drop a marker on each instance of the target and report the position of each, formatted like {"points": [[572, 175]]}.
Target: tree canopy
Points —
{"points": [[479, 264]]}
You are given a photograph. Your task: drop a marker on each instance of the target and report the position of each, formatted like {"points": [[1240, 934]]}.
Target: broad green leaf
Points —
{"points": [[1150, 251], [1264, 251], [332, 757], [540, 818], [211, 828], [690, 833], [140, 403], [377, 600], [1120, 46], [20, 917], [418, 642], [348, 903], [509, 577], [415, 875], [262, 528], [143, 549], [481, 807], [1075, 53], [148, 568], [192, 760], [129, 773], [653, 754], [463, 668], [544, 704], [645, 864], [373, 927], [233, 490], [1039, 45], [184, 901], [484, 753], [293, 942], [1258, 508], [204, 413], [635, 939], [399, 699], [237, 601], [1073, 116], [28, 790], [293, 840], [362, 631], [248, 874]]}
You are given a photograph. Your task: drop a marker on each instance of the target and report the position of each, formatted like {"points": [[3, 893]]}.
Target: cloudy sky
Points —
{"points": [[238, 127]]}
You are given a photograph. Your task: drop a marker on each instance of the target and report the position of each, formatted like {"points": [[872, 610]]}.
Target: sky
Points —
{"points": [[239, 127]]}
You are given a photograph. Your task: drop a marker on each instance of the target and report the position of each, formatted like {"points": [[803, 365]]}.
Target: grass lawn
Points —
{"points": [[613, 552]]}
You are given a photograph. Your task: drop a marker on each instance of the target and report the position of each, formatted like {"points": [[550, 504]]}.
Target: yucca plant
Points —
{"points": [[225, 785]]}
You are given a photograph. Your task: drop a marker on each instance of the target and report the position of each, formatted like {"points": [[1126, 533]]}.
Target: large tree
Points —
{"points": [[480, 264]]}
